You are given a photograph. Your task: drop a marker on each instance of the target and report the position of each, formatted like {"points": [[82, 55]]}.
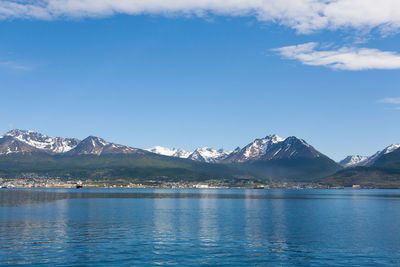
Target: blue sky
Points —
{"points": [[189, 81]]}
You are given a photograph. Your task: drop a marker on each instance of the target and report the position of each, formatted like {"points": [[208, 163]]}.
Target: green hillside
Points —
{"points": [[377, 177], [384, 173], [152, 166], [390, 160], [298, 170], [114, 167]]}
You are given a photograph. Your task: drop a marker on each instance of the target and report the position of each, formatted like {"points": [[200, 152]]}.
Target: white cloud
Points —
{"points": [[346, 58], [303, 15], [390, 100]]}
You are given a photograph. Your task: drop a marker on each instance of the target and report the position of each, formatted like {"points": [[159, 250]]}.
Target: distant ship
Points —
{"points": [[79, 185], [258, 187]]}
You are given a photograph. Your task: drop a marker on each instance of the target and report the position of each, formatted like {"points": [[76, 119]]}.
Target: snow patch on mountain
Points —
{"points": [[172, 152], [254, 150], [204, 154], [259, 146], [290, 148], [208, 154], [353, 161]]}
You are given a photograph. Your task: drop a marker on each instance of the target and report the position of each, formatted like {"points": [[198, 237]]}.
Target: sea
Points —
{"points": [[199, 227]]}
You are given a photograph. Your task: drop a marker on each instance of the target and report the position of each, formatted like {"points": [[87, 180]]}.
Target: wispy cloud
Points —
{"points": [[345, 58], [303, 15], [390, 100], [393, 102], [15, 65]]}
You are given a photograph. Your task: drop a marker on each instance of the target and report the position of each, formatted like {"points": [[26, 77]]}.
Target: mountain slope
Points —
{"points": [[10, 145], [143, 166], [371, 160], [295, 170], [375, 177], [391, 159]]}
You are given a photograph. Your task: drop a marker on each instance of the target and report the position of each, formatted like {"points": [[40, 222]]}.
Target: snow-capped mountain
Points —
{"points": [[255, 150], [207, 154], [291, 148], [44, 142], [97, 146], [371, 160], [352, 161], [10, 145], [19, 141], [273, 147], [174, 152], [267, 148], [204, 154]]}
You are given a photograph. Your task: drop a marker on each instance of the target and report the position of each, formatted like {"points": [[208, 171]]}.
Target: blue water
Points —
{"points": [[200, 227]]}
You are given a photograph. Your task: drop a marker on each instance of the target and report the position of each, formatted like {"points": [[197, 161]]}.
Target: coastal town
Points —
{"points": [[33, 180]]}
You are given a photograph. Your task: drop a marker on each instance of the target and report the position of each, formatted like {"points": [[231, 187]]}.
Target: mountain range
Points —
{"points": [[19, 141], [204, 154], [381, 170], [354, 161], [270, 158], [271, 147]]}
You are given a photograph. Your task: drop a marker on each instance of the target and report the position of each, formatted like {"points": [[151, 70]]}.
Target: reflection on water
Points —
{"points": [[200, 227], [20, 197]]}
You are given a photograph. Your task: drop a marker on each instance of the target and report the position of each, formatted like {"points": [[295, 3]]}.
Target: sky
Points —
{"points": [[197, 73]]}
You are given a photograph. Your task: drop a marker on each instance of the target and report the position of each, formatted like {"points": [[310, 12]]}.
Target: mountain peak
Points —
{"points": [[95, 140], [254, 150], [391, 148], [275, 138], [14, 132], [291, 148], [93, 145], [294, 139], [274, 147], [21, 134]]}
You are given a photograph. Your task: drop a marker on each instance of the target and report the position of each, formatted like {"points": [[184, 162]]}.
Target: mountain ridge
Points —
{"points": [[269, 158], [356, 160], [381, 171], [43, 142]]}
